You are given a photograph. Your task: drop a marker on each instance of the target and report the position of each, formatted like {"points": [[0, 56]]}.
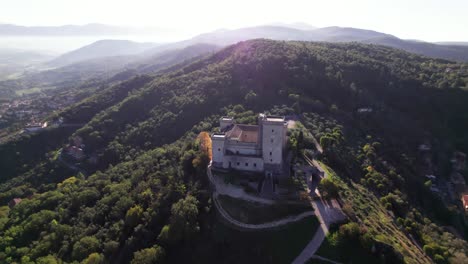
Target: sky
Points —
{"points": [[429, 20]]}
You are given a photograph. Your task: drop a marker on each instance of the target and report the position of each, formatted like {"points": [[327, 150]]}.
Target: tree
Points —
{"points": [[151, 255], [350, 231], [133, 216], [47, 260], [328, 188], [183, 221], [94, 258], [84, 247], [250, 97]]}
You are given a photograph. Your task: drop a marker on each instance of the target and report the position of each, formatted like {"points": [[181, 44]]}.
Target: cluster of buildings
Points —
{"points": [[457, 178], [57, 103], [254, 148], [23, 111], [454, 188], [34, 127], [29, 112], [18, 109], [75, 149]]}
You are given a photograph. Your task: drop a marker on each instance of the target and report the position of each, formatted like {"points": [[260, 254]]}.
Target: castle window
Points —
{"points": [[272, 130], [271, 153], [219, 149], [271, 160], [238, 163], [255, 164], [246, 164], [271, 140]]}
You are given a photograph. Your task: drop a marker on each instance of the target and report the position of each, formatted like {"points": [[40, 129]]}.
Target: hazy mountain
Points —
{"points": [[160, 60], [297, 25], [102, 48], [70, 30], [13, 61], [103, 69], [223, 37], [345, 34], [226, 37], [454, 43], [328, 34], [23, 57], [451, 52]]}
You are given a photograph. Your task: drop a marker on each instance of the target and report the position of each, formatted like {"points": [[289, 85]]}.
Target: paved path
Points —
{"points": [[327, 212], [268, 225]]}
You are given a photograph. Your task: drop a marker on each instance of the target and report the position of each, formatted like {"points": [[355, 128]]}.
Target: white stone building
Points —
{"points": [[257, 148]]}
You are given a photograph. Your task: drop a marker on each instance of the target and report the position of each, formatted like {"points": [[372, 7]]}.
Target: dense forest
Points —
{"points": [[147, 200]]}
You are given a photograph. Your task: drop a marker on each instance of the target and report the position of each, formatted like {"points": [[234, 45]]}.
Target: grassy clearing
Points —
{"points": [[273, 246], [32, 90], [369, 212], [256, 213]]}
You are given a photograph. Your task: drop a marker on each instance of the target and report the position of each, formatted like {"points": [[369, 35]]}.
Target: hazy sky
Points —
{"points": [[431, 20]]}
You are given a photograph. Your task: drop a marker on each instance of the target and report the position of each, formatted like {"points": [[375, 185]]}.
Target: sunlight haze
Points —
{"points": [[424, 20]]}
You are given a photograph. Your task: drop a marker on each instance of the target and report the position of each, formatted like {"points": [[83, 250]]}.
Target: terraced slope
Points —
{"points": [[371, 214]]}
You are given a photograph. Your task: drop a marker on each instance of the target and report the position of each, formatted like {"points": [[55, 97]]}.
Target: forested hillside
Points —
{"points": [[147, 198]]}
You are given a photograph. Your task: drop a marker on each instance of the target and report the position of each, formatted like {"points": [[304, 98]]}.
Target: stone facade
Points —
{"points": [[256, 148]]}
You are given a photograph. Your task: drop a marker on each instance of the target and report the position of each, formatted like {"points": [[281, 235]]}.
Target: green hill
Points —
{"points": [[148, 192]]}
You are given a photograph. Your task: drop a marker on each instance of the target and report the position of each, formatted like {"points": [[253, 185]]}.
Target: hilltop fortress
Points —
{"points": [[256, 148]]}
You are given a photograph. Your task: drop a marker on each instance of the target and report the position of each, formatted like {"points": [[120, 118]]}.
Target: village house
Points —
{"points": [[465, 201], [34, 127], [256, 148], [75, 152], [14, 202]]}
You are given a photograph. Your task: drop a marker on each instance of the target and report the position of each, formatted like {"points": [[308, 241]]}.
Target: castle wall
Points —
{"points": [[242, 148], [243, 163]]}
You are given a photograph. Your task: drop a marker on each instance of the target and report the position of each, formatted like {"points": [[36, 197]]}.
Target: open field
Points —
{"points": [[32, 90]]}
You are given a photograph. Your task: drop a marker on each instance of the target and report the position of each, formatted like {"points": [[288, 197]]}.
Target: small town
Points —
{"points": [[29, 114]]}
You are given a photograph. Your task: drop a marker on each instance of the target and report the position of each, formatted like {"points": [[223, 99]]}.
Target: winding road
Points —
{"points": [[222, 188]]}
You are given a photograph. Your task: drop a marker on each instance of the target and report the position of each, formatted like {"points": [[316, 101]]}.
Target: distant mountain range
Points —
{"points": [[328, 34], [457, 51], [455, 43], [72, 30]]}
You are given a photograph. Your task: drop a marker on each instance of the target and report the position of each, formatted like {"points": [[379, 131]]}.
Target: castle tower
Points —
{"points": [[225, 122], [217, 144], [273, 130]]}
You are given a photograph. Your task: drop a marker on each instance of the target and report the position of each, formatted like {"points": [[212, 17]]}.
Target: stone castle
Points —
{"points": [[255, 148]]}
